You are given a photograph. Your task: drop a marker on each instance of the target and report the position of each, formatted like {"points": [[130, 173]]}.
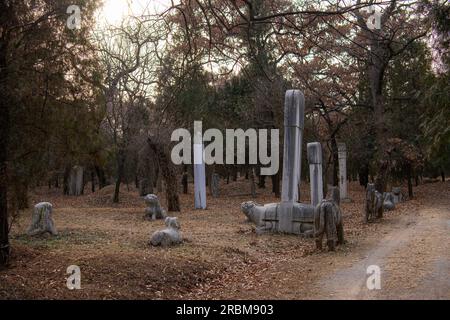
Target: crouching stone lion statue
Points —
{"points": [[168, 236]]}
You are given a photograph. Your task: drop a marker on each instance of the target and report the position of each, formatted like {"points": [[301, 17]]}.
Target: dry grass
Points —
{"points": [[221, 258]]}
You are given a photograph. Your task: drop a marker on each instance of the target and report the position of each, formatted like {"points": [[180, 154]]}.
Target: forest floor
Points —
{"points": [[222, 257]]}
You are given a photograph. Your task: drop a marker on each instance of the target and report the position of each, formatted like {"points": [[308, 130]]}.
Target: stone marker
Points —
{"points": [[294, 110], [42, 221], [398, 195], [215, 180], [154, 210], [76, 181], [342, 155], [199, 173], [314, 150], [168, 236]]}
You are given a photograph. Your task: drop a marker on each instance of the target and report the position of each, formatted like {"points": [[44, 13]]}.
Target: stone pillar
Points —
{"points": [[76, 182], [294, 108], [342, 154], [315, 172], [199, 172]]}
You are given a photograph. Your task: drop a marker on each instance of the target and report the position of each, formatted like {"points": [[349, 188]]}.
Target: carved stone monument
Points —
{"points": [[76, 181], [343, 183], [398, 195], [315, 172], [199, 173], [288, 216], [42, 221]]}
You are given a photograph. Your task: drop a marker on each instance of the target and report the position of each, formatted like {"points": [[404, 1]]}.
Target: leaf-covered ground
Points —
{"points": [[221, 257]]}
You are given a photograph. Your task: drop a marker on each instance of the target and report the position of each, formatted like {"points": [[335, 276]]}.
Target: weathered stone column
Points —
{"points": [[315, 172], [342, 154], [199, 171], [76, 182], [294, 109]]}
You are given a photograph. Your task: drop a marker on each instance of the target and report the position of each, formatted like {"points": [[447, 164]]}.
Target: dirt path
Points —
{"points": [[413, 256]]}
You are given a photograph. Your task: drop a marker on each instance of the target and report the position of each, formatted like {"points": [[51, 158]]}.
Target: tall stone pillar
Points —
{"points": [[76, 181], [294, 110], [342, 154], [315, 172], [199, 171]]}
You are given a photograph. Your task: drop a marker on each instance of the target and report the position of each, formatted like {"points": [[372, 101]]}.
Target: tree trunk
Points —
{"points": [[443, 175], [184, 179], [21, 195], [335, 155], [101, 177], [120, 171], [262, 182], [66, 180], [409, 176], [252, 183], [276, 185], [168, 173], [92, 181], [363, 175], [4, 138], [376, 76]]}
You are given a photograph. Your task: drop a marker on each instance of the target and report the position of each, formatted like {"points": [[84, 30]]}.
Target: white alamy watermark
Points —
{"points": [[74, 20], [374, 280], [237, 141], [374, 20], [74, 279]]}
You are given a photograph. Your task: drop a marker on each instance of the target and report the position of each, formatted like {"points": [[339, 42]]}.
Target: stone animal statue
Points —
{"points": [[255, 216], [42, 221], [374, 203], [398, 195], [328, 220], [388, 201], [258, 215], [267, 218], [154, 210], [168, 236]]}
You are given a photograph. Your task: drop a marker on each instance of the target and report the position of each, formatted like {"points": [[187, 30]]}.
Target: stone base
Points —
{"points": [[288, 218]]}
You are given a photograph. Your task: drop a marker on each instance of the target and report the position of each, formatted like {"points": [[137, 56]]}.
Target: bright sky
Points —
{"points": [[113, 11]]}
